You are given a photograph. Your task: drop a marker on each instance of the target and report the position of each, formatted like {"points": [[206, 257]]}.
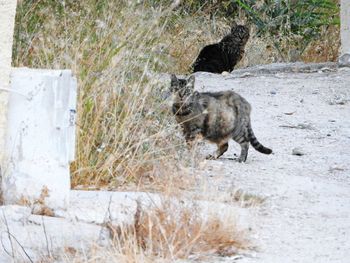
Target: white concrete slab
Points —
{"points": [[40, 137], [7, 21], [26, 237]]}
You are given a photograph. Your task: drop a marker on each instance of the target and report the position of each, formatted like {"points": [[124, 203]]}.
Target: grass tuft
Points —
{"points": [[167, 232]]}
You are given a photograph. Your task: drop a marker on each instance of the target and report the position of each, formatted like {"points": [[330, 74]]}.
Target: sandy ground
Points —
{"points": [[306, 214]]}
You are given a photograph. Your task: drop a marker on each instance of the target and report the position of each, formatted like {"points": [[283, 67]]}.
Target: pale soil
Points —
{"points": [[306, 214]]}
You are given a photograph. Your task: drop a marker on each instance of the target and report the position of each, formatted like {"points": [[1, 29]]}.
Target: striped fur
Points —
{"points": [[216, 116]]}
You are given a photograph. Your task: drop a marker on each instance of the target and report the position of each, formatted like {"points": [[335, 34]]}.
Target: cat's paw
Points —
{"points": [[210, 157]]}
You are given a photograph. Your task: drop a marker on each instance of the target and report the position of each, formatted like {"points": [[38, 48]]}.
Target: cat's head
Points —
{"points": [[241, 32], [182, 87], [183, 90]]}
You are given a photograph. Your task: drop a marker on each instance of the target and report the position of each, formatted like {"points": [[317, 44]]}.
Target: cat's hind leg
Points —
{"points": [[244, 152]]}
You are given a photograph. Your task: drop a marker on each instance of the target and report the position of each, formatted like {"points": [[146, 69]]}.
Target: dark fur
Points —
{"points": [[223, 56], [217, 116]]}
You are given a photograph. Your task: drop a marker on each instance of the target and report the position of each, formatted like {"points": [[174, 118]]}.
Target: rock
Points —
{"points": [[298, 151], [344, 60], [225, 73], [326, 69], [338, 100], [273, 92]]}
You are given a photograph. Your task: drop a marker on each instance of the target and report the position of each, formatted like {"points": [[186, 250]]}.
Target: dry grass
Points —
{"points": [[125, 130], [173, 231], [326, 48], [260, 50], [166, 233], [127, 138], [130, 254]]}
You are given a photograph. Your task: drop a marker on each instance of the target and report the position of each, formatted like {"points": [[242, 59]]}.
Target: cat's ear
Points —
{"points": [[233, 26], [174, 79], [190, 81], [174, 83]]}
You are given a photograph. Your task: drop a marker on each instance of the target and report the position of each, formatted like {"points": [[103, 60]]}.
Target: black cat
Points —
{"points": [[223, 56]]}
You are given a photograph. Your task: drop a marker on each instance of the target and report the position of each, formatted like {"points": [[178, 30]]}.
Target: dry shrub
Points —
{"points": [[258, 51], [116, 48], [173, 231], [124, 125], [326, 48], [38, 206], [261, 50], [125, 129], [166, 233]]}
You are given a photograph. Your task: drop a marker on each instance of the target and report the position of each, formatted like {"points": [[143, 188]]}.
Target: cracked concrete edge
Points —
{"points": [[7, 22], [296, 67], [119, 208], [26, 236], [83, 225]]}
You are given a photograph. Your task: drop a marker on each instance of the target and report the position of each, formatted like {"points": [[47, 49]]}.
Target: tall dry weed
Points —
{"points": [[174, 231], [115, 48]]}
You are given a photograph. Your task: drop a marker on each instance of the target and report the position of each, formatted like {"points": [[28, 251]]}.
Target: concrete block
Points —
{"points": [[40, 139], [25, 236], [344, 59], [7, 21], [99, 207]]}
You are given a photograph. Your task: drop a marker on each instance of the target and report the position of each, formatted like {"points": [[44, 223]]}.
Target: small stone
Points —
{"points": [[225, 73], [315, 91], [335, 168], [329, 135], [273, 92], [326, 69], [305, 126], [344, 60], [298, 151]]}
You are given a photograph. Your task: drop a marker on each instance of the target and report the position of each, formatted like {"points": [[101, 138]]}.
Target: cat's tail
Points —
{"points": [[255, 143]]}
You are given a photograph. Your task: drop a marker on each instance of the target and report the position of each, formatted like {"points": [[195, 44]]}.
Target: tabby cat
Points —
{"points": [[216, 116]]}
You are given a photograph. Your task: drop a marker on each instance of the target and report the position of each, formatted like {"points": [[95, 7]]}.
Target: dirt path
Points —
{"points": [[306, 216]]}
